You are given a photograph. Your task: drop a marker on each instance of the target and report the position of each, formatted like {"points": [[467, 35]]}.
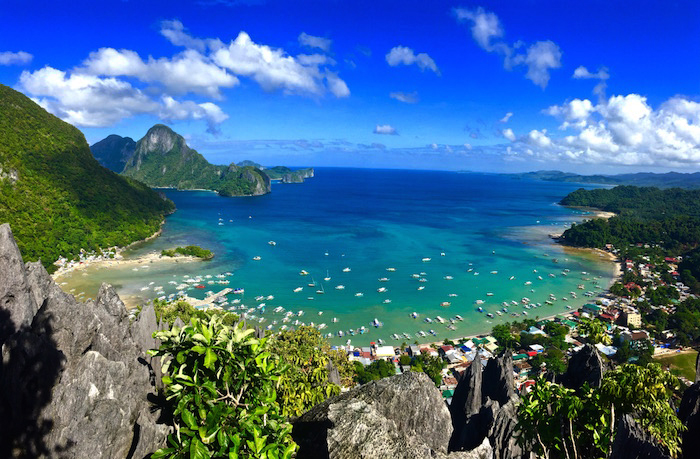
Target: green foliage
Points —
{"points": [[431, 366], [594, 330], [376, 370], [183, 168], [504, 336], [662, 294], [189, 251], [222, 383], [168, 311], [62, 200], [685, 321], [307, 355], [288, 175], [560, 422]]}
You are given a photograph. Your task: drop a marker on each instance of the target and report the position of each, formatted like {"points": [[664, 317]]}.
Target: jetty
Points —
{"points": [[211, 299]]}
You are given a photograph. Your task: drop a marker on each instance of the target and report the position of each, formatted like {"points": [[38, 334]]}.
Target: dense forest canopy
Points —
{"points": [[56, 196]]}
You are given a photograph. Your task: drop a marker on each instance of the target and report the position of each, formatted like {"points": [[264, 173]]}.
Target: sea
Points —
{"points": [[425, 255]]}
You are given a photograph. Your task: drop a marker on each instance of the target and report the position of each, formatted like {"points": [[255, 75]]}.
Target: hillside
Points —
{"points": [[666, 180], [114, 151], [163, 159], [56, 196], [287, 175]]}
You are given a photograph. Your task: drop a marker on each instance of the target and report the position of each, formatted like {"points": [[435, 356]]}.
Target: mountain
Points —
{"points": [[247, 162], [163, 159], [286, 175], [56, 196], [666, 180], [114, 151]]}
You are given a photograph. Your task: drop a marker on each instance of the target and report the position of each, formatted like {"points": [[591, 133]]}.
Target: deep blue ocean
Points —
{"points": [[485, 237]]}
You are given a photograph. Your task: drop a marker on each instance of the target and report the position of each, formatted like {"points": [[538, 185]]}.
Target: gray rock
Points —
{"points": [[632, 441], [697, 368], [585, 366], [502, 420], [689, 414], [498, 383], [468, 430], [17, 304], [333, 373], [71, 381], [142, 333], [402, 416]]}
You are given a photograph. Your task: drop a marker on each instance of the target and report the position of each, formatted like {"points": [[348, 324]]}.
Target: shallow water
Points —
{"points": [[371, 220]]}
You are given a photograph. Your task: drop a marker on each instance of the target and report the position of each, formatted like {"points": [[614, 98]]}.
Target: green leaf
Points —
{"points": [[198, 450], [209, 359], [189, 419], [163, 452]]}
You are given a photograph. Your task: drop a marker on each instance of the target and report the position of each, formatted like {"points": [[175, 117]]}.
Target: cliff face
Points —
{"points": [[74, 378], [286, 175], [163, 159]]}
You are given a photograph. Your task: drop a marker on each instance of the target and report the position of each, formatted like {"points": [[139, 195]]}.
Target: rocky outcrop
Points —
{"points": [[484, 406], [632, 441], [585, 366], [399, 417], [73, 380], [697, 368], [689, 414]]}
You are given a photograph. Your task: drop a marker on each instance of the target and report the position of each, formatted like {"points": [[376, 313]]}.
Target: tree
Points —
{"points": [[221, 383], [594, 330], [504, 336], [376, 370], [556, 421]]}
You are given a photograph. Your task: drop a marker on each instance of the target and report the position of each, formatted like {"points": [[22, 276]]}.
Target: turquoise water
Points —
{"points": [[368, 221]]}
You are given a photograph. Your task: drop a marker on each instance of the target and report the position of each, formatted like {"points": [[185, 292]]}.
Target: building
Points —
{"points": [[384, 352], [632, 319]]}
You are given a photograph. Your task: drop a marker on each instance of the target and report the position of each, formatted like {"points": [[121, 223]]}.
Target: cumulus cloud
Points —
{"points": [[486, 29], [311, 41], [174, 31], [583, 73], [385, 129], [189, 71], [406, 97], [506, 117], [403, 55], [93, 101], [10, 58], [508, 134], [622, 130]]}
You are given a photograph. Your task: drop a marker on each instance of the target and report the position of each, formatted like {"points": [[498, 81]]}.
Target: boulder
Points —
{"points": [[498, 383], [73, 380], [402, 416], [585, 366], [632, 441]]}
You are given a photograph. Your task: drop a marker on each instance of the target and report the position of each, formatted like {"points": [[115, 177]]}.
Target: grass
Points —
{"points": [[680, 364]]}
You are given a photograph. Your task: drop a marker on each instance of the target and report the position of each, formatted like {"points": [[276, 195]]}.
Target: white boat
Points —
{"points": [[442, 254], [512, 277], [298, 289], [303, 272], [449, 277], [383, 279], [272, 242], [382, 289], [426, 259], [257, 258], [359, 294], [387, 301], [391, 269], [479, 302], [489, 294], [346, 270], [421, 287], [414, 315], [458, 317], [445, 303], [415, 276], [340, 287], [328, 277]]}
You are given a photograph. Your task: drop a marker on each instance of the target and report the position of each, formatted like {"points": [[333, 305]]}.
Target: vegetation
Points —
{"points": [[168, 311], [376, 370], [222, 384], [594, 330], [54, 194], [669, 218], [307, 355], [113, 151], [680, 364], [514, 336], [560, 422], [189, 251], [667, 180], [163, 159], [431, 366], [287, 175]]}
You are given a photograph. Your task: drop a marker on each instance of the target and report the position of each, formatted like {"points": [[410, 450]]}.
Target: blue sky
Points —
{"points": [[596, 86]]}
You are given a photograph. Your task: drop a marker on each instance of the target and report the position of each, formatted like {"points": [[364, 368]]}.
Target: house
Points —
{"points": [[384, 352], [538, 348], [592, 309], [413, 350], [443, 350], [636, 335], [632, 319], [535, 331]]}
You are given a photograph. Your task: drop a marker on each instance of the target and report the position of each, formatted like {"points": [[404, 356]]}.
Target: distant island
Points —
{"points": [[188, 251], [162, 159], [665, 180]]}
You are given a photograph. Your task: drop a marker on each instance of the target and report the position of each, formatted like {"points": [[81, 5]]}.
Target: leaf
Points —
{"points": [[189, 419], [163, 452], [198, 450], [209, 359]]}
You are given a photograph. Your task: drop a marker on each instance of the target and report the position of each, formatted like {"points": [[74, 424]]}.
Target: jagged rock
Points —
{"points": [[633, 442], [498, 381], [333, 373], [502, 420], [468, 431], [697, 368], [71, 381], [585, 366], [402, 416], [483, 451], [16, 302], [142, 332], [689, 414]]}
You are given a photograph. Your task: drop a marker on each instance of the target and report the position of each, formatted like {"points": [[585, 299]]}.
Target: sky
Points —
{"points": [[495, 86]]}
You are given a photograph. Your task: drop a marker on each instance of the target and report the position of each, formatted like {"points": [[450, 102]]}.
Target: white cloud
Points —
{"points": [[407, 97], [385, 129], [188, 71], [311, 41], [93, 101], [540, 57], [10, 58], [274, 69], [402, 55], [508, 134], [175, 33], [624, 129], [336, 86], [506, 117], [583, 73]]}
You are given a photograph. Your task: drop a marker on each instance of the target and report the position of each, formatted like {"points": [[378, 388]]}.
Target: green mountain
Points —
{"points": [[56, 196], [114, 151], [287, 175], [163, 159], [666, 180], [247, 162]]}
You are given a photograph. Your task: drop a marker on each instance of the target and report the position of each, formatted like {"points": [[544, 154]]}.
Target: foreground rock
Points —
{"points": [[399, 417], [73, 379], [585, 366]]}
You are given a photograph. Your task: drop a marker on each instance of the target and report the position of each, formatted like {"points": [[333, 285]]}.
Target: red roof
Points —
{"points": [[446, 348], [606, 316], [531, 353]]}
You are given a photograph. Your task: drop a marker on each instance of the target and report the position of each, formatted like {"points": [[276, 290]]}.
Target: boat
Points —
{"points": [[298, 289], [196, 286], [449, 277], [414, 315], [320, 292], [421, 287], [346, 270], [428, 320], [272, 242], [340, 287], [479, 302], [328, 277], [494, 272], [511, 278], [391, 269], [382, 289], [426, 259], [451, 294], [377, 323], [387, 301], [458, 317], [359, 294], [489, 293], [415, 276], [489, 315], [383, 279], [442, 254], [480, 309], [445, 303], [303, 272]]}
